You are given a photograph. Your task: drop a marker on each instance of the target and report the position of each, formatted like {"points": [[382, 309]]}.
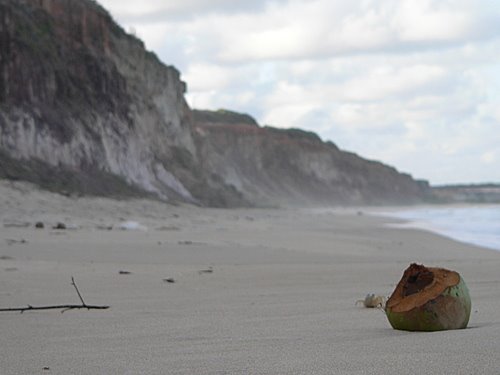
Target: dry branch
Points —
{"points": [[57, 307]]}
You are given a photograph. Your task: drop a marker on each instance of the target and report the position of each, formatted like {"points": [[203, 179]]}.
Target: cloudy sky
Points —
{"points": [[412, 83]]}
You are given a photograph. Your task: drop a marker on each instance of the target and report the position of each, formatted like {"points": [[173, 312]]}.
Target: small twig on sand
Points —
{"points": [[57, 307], [77, 291]]}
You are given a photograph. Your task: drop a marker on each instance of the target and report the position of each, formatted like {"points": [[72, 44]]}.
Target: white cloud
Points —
{"points": [[489, 157], [413, 83], [160, 10], [427, 20], [388, 81]]}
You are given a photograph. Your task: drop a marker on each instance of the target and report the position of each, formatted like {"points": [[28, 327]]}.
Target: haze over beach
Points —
{"points": [[419, 79], [229, 187]]}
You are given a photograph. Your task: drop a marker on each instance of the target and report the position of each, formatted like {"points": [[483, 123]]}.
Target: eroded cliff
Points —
{"points": [[78, 93], [295, 167]]}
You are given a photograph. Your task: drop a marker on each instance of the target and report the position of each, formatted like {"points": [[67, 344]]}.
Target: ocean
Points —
{"points": [[479, 225]]}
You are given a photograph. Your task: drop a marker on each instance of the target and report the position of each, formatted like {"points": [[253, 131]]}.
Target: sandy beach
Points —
{"points": [[250, 291]]}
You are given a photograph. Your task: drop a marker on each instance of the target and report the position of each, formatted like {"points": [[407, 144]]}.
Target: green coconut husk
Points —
{"points": [[429, 299]]}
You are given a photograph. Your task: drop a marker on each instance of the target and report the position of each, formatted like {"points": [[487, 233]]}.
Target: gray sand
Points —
{"points": [[280, 297]]}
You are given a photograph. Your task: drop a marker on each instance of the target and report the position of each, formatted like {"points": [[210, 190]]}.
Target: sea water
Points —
{"points": [[479, 225]]}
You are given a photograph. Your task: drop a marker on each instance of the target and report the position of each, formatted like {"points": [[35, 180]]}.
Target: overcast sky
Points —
{"points": [[412, 83]]}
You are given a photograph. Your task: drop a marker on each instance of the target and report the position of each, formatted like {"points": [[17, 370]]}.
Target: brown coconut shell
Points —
{"points": [[419, 285]]}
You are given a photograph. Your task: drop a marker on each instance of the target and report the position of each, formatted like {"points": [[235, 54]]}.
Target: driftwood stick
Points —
{"points": [[77, 291], [57, 307]]}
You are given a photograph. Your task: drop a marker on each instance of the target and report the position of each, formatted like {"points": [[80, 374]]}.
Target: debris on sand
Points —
{"points": [[11, 241], [372, 301], [104, 227], [60, 226], [132, 225], [16, 224], [208, 270]]}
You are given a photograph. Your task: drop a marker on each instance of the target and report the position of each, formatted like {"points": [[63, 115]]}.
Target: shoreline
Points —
{"points": [[255, 291], [424, 217]]}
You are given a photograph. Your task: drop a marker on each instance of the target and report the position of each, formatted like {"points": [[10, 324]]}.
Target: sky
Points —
{"points": [[412, 83]]}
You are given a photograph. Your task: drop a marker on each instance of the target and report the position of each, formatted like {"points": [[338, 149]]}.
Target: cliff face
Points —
{"points": [[77, 92], [83, 106], [270, 166]]}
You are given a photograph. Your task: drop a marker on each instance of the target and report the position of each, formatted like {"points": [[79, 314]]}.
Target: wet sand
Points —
{"points": [[250, 291]]}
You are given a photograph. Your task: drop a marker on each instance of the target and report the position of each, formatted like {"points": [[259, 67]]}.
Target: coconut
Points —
{"points": [[429, 299]]}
